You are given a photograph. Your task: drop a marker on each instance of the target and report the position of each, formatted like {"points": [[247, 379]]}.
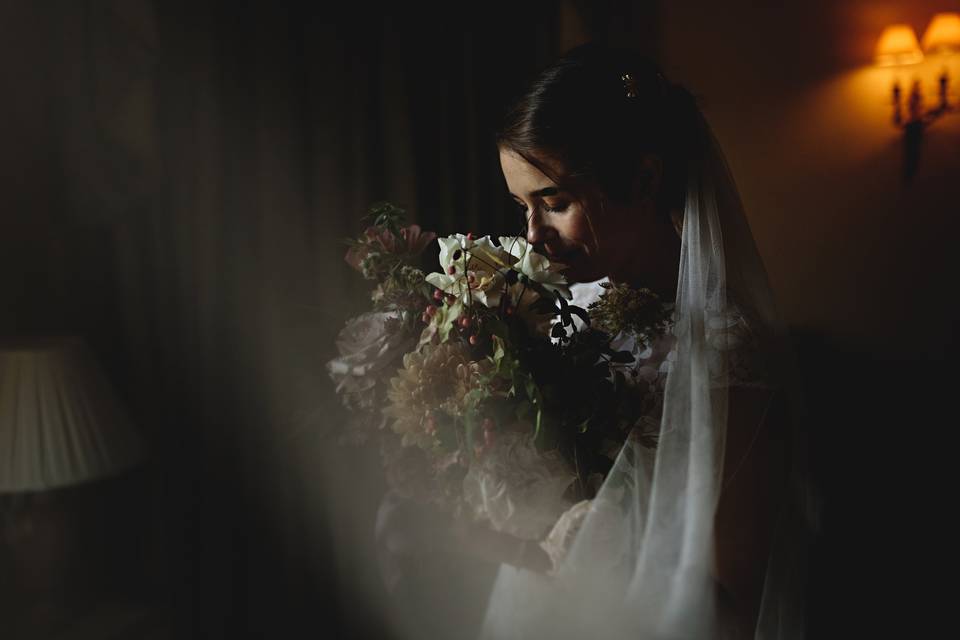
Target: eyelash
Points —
{"points": [[523, 208]]}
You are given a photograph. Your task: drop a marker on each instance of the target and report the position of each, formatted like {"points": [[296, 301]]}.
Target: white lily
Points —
{"points": [[472, 269], [535, 266]]}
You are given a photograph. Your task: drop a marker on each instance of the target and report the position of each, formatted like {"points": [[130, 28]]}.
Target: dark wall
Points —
{"points": [[862, 264]]}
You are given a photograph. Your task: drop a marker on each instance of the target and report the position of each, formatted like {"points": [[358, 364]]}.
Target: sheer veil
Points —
{"points": [[641, 564]]}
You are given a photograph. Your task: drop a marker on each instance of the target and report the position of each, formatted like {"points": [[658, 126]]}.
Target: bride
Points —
{"points": [[619, 177]]}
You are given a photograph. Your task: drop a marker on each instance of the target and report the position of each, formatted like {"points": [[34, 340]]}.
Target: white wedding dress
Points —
{"points": [[519, 491], [636, 561]]}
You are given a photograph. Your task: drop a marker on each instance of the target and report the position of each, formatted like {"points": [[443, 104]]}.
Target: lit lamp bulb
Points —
{"points": [[898, 46], [943, 37]]}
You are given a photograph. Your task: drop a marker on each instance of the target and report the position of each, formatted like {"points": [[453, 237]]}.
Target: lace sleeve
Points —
{"points": [[558, 541], [736, 338], [736, 341]]}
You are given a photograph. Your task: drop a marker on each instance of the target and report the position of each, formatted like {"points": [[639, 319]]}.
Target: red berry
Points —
{"points": [[438, 295], [471, 278], [452, 269], [474, 340], [451, 298], [508, 311], [430, 310], [470, 235], [465, 322]]}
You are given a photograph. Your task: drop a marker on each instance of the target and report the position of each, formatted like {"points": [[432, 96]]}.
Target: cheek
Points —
{"points": [[577, 229]]}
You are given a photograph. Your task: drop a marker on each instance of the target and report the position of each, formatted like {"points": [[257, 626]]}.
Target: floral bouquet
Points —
{"points": [[484, 370]]}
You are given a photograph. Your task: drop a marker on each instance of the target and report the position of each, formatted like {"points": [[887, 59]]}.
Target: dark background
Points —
{"points": [[177, 178]]}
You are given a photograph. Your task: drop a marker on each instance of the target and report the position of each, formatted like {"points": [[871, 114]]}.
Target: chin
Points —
{"points": [[581, 273], [578, 266]]}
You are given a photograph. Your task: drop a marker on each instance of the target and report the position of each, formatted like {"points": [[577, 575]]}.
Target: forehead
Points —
{"points": [[522, 177]]}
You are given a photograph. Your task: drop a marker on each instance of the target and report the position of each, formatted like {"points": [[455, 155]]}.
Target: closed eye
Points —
{"points": [[559, 208]]}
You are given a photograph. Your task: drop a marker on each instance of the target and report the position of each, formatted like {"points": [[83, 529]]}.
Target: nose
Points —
{"points": [[537, 231]]}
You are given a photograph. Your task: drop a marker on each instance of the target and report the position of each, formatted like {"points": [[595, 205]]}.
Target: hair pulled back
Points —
{"points": [[580, 112]]}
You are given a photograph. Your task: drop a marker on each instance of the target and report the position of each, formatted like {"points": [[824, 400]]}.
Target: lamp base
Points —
{"points": [[45, 545]]}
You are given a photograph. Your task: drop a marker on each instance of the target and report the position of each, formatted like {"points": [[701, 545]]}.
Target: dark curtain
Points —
{"points": [[186, 175], [276, 128]]}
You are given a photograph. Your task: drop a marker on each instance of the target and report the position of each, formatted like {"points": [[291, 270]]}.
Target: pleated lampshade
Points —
{"points": [[943, 34], [898, 46], [61, 423]]}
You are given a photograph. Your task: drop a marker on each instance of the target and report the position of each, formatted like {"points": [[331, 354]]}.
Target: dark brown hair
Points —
{"points": [[578, 111]]}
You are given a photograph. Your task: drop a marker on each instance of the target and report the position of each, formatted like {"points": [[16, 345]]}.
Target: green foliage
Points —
{"points": [[387, 215], [635, 312], [385, 254]]}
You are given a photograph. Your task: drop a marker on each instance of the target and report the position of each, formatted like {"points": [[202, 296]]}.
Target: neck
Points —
{"points": [[653, 262]]}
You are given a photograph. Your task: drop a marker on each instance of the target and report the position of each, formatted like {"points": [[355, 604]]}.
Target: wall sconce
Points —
{"points": [[898, 47]]}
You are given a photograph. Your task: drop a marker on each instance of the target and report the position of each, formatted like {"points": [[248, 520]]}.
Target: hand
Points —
{"points": [[496, 547], [406, 529]]}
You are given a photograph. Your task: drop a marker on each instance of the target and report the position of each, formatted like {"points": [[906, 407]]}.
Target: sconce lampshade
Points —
{"points": [[898, 45], [943, 34], [60, 422]]}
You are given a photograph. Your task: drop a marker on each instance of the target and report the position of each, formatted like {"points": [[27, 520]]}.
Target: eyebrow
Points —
{"points": [[540, 193]]}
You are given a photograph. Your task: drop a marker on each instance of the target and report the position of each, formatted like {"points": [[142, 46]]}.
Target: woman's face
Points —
{"points": [[638, 244], [557, 222]]}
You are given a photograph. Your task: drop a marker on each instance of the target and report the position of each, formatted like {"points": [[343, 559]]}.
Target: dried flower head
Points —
{"points": [[432, 388], [636, 312]]}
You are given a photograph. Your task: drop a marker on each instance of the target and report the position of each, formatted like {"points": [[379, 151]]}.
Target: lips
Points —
{"points": [[559, 256], [566, 257]]}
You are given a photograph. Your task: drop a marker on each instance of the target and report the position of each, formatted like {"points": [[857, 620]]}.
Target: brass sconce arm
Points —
{"points": [[898, 47]]}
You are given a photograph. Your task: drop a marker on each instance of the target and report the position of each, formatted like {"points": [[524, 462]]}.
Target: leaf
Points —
{"points": [[498, 351], [581, 313], [532, 391], [447, 315], [557, 331]]}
